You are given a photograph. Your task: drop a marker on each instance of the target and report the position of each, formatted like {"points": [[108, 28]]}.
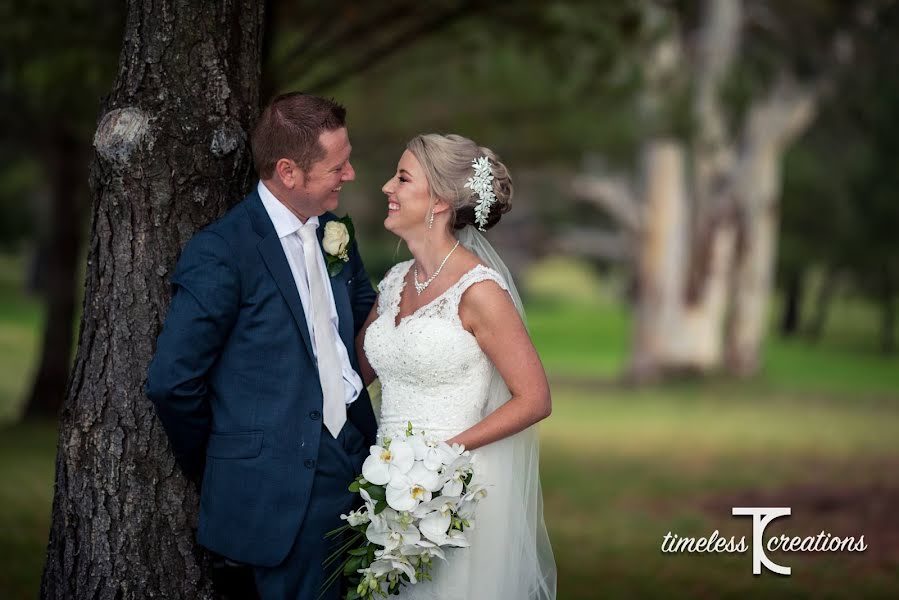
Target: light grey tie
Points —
{"points": [[329, 370]]}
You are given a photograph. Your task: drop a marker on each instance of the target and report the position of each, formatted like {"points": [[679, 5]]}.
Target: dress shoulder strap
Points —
{"points": [[476, 275]]}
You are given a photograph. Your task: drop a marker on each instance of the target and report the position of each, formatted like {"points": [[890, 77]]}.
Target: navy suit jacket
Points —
{"points": [[236, 386]]}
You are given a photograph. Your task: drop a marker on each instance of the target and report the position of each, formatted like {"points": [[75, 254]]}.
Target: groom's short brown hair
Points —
{"points": [[289, 127]]}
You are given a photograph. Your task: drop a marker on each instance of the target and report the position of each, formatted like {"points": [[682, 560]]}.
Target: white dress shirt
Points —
{"points": [[287, 226]]}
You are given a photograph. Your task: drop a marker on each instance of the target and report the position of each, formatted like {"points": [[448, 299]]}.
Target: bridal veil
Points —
{"points": [[511, 558]]}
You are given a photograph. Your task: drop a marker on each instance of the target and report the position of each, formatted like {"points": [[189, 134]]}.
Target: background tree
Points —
{"points": [[171, 155], [45, 140], [727, 90], [840, 212]]}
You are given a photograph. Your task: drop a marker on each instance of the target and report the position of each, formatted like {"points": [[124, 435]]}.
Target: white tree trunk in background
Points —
{"points": [[661, 258], [772, 125], [704, 224]]}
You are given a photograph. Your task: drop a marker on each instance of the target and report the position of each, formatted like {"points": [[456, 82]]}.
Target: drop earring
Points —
{"points": [[431, 220]]}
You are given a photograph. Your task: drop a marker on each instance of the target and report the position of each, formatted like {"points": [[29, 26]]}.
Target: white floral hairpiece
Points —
{"points": [[482, 185]]}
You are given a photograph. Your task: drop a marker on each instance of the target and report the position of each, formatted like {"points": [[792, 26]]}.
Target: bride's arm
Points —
{"points": [[487, 312], [365, 371]]}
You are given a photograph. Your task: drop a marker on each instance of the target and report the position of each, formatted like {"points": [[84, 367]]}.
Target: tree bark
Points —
{"points": [[171, 155], [67, 156]]}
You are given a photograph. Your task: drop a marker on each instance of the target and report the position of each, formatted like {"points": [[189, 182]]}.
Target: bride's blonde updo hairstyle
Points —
{"points": [[447, 162]]}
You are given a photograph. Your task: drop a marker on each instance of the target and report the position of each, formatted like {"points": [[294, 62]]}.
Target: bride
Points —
{"points": [[447, 340]]}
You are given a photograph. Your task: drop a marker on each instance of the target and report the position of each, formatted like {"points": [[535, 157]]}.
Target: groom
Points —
{"points": [[255, 378]]}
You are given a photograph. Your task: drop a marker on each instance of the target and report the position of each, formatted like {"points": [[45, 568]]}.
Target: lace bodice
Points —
{"points": [[432, 371]]}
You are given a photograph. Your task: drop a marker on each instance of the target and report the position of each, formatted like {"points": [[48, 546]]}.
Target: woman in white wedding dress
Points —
{"points": [[448, 341]]}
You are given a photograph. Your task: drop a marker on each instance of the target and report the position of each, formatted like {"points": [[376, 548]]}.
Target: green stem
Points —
{"points": [[340, 529], [346, 546], [332, 578]]}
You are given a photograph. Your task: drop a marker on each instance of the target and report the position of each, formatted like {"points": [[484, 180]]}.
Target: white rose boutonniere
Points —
{"points": [[336, 242]]}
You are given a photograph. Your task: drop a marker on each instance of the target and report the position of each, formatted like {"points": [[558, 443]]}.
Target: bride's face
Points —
{"points": [[408, 197]]}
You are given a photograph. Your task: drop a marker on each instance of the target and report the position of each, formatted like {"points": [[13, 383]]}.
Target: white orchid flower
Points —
{"points": [[382, 462], [369, 501], [462, 462], [431, 451], [405, 494], [456, 538], [468, 503], [444, 504], [435, 525], [429, 479], [391, 536], [436, 517], [424, 550], [466, 509], [476, 493], [455, 475], [454, 486], [388, 565], [356, 517]]}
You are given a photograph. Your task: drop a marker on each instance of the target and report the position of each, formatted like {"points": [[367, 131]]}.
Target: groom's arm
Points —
{"points": [[205, 302]]}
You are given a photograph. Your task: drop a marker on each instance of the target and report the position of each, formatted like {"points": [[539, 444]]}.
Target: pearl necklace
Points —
{"points": [[420, 287]]}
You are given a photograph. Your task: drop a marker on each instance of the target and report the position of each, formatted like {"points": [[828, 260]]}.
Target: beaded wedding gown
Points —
{"points": [[434, 374], [432, 371]]}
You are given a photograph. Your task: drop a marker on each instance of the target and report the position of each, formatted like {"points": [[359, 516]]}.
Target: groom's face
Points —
{"points": [[318, 190]]}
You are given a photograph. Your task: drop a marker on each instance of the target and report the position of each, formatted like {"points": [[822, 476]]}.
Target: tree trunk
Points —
{"points": [[754, 269], [706, 241], [772, 124], [700, 338], [707, 244], [62, 249], [171, 155], [661, 256], [790, 321], [888, 311], [685, 245], [827, 288]]}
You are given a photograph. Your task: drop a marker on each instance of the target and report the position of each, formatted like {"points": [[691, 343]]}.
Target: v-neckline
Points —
{"points": [[399, 296]]}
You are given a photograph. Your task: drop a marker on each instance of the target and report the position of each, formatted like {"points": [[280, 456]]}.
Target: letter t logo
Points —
{"points": [[761, 516]]}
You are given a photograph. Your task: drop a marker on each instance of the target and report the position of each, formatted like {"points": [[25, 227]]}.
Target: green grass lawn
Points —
{"points": [[622, 467]]}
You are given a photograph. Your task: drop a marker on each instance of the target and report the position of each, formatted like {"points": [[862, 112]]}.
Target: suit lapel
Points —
{"points": [[273, 255]]}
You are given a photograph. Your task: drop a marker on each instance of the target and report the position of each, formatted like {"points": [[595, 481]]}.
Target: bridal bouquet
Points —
{"points": [[419, 499]]}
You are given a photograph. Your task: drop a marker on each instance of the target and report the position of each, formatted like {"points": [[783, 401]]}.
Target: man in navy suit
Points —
{"points": [[255, 377]]}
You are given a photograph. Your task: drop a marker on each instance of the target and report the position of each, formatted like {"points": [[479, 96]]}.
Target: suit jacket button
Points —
{"points": [[309, 463], [315, 415]]}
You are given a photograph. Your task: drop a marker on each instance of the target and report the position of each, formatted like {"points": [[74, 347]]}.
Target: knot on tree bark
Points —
{"points": [[120, 134], [227, 138]]}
